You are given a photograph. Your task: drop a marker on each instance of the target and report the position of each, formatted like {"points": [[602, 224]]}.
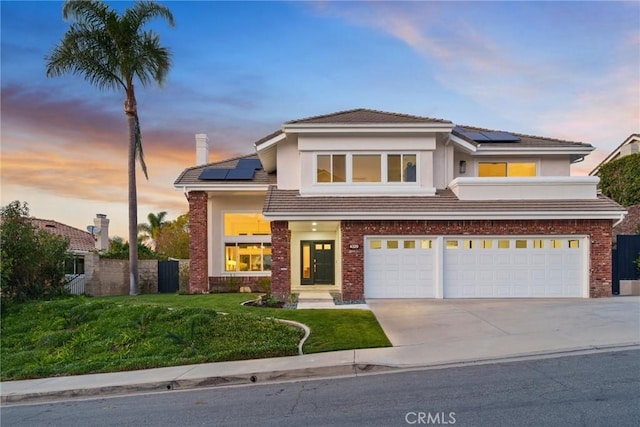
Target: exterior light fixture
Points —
{"points": [[463, 166]]}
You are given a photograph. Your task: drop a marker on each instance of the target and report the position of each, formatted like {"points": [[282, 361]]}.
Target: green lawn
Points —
{"points": [[84, 335]]}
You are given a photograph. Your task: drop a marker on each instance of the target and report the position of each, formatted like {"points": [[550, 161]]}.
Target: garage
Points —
{"points": [[399, 267], [476, 267]]}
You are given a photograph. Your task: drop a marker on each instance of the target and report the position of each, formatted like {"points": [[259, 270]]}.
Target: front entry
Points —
{"points": [[317, 262]]}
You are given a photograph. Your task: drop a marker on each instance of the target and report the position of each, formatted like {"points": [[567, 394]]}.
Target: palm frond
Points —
{"points": [[139, 152]]}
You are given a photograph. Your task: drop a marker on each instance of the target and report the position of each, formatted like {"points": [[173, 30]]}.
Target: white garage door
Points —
{"points": [[480, 267], [400, 267]]}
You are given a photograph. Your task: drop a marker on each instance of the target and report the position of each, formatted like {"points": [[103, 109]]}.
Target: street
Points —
{"points": [[596, 389]]}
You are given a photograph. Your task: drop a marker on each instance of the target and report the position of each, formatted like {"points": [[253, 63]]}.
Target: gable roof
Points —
{"points": [[633, 138], [365, 116], [79, 240], [190, 176]]}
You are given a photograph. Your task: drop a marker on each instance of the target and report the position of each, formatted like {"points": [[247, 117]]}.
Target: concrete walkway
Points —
{"points": [[425, 333]]}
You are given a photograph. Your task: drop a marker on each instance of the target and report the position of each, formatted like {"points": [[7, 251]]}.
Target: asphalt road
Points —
{"points": [[601, 389]]}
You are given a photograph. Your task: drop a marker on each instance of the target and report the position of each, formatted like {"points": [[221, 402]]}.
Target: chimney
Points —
{"points": [[202, 149], [102, 236]]}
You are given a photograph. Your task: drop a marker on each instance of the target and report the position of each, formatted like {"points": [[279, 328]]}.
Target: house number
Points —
{"points": [[356, 246]]}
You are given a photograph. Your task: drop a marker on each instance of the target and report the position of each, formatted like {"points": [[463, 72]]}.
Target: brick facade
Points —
{"points": [[198, 243], [234, 283], [280, 260], [353, 233]]}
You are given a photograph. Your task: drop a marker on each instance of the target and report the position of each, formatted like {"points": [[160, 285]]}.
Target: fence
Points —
{"points": [[75, 284]]}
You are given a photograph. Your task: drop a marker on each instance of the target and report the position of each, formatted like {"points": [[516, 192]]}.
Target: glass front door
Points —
{"points": [[317, 262]]}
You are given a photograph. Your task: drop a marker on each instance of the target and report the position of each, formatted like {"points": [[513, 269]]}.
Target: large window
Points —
{"points": [[247, 243], [502, 169], [366, 168]]}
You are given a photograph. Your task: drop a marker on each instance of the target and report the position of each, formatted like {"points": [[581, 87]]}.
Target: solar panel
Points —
{"points": [[249, 164], [240, 174], [487, 136], [214, 174]]}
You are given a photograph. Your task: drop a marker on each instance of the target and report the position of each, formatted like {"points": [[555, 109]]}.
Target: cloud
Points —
{"points": [[546, 88]]}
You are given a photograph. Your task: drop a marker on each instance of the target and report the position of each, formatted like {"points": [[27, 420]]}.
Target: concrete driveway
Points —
{"points": [[533, 324]]}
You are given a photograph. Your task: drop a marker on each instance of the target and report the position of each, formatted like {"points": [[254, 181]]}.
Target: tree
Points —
{"points": [[111, 51], [31, 260], [620, 180], [173, 238], [152, 229]]}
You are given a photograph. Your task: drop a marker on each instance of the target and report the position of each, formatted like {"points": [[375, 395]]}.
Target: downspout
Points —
{"points": [[622, 217]]}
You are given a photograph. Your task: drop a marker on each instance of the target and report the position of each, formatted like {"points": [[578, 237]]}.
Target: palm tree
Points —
{"points": [[111, 51], [152, 229]]}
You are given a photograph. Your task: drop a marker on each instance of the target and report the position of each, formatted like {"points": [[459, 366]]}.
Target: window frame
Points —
{"points": [[384, 167], [260, 240]]}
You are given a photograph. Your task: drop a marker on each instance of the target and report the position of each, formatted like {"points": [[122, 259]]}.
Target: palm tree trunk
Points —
{"points": [[130, 110]]}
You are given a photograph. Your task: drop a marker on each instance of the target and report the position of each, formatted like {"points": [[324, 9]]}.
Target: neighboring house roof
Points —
{"points": [[634, 139], [190, 176], [79, 240], [363, 115], [444, 205], [630, 223]]}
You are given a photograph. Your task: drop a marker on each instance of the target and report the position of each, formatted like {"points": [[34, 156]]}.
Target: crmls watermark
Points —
{"points": [[430, 418]]}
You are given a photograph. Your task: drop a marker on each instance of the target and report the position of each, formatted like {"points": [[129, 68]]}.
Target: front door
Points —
{"points": [[317, 262]]}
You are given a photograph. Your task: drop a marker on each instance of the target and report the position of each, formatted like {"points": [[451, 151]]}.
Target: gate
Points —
{"points": [[168, 278], [623, 260]]}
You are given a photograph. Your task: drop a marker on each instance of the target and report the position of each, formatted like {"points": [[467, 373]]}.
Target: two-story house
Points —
{"points": [[373, 204]]}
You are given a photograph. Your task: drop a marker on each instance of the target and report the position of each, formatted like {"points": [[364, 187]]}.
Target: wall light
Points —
{"points": [[463, 166]]}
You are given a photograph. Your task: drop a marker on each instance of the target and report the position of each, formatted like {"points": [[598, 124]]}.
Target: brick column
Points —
{"points": [[198, 243], [352, 260], [280, 260]]}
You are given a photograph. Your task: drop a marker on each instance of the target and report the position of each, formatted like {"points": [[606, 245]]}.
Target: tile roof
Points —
{"points": [[289, 202], [79, 240], [363, 115], [190, 176], [525, 140]]}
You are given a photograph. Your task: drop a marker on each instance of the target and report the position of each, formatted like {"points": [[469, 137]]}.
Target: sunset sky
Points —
{"points": [[569, 70]]}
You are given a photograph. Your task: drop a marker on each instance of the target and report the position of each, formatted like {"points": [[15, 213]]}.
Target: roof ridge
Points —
{"points": [[369, 110]]}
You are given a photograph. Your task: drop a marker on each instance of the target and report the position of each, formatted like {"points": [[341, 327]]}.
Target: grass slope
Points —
{"points": [[86, 335]]}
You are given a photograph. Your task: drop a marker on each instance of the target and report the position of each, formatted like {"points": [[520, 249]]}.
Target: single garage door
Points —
{"points": [[480, 267], [400, 267]]}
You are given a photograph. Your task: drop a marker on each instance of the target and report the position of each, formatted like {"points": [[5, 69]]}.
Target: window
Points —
{"points": [[375, 244], [452, 244], [467, 244], [401, 168], [332, 168], [366, 168], [521, 244], [556, 244], [502, 169], [392, 244], [409, 244], [247, 257], [426, 244], [503, 244], [574, 244], [246, 224], [74, 265], [247, 242], [487, 244], [538, 244]]}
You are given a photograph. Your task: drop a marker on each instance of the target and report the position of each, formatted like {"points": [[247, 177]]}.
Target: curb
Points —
{"points": [[344, 370]]}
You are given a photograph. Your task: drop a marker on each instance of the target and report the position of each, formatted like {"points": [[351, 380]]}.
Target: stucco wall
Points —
{"points": [[104, 277]]}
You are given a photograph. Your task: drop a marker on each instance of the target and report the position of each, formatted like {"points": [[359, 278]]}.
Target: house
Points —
{"points": [[81, 243], [631, 145], [371, 204]]}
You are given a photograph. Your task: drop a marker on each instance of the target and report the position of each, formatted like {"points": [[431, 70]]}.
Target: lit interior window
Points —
{"points": [[556, 244], [366, 168], [538, 244], [521, 244], [426, 244], [574, 244], [487, 244], [452, 244], [246, 224], [409, 244], [375, 244], [503, 244], [392, 244]]}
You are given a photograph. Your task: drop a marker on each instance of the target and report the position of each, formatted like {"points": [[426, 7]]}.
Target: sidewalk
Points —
{"points": [[611, 323]]}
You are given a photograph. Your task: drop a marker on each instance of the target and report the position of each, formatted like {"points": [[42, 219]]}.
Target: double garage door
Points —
{"points": [[476, 267]]}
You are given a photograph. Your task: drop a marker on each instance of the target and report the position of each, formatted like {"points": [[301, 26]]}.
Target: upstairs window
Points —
{"points": [[503, 169], [246, 224], [366, 168], [332, 168]]}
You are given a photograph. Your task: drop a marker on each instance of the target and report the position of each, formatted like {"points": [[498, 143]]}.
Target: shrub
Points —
{"points": [[32, 260]]}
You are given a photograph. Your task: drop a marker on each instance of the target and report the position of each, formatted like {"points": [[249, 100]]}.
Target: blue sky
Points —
{"points": [[568, 70]]}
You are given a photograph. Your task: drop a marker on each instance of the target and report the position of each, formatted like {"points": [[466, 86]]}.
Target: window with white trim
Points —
{"points": [[247, 242], [366, 168]]}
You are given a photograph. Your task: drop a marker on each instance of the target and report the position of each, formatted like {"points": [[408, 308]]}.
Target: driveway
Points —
{"points": [[537, 324]]}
